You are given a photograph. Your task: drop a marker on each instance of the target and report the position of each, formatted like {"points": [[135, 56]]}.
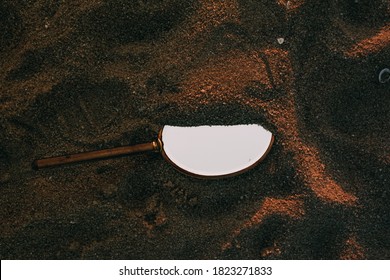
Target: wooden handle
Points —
{"points": [[101, 154]]}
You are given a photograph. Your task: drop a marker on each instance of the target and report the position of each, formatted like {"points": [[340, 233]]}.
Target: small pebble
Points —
{"points": [[384, 75], [280, 40]]}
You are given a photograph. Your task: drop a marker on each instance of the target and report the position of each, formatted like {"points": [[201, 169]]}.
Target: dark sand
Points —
{"points": [[88, 74]]}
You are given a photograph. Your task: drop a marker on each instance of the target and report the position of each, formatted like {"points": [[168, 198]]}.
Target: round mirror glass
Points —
{"points": [[215, 151]]}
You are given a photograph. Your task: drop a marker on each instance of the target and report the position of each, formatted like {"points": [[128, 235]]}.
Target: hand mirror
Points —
{"points": [[200, 151]]}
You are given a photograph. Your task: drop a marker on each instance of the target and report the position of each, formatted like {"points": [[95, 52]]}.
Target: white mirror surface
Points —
{"points": [[215, 150]]}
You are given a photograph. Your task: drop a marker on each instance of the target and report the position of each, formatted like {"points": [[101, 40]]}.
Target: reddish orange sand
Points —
{"points": [[85, 75]]}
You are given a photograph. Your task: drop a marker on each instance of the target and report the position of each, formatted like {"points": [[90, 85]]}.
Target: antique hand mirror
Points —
{"points": [[200, 151]]}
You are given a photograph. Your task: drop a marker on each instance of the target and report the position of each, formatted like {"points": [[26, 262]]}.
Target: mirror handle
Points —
{"points": [[94, 155]]}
